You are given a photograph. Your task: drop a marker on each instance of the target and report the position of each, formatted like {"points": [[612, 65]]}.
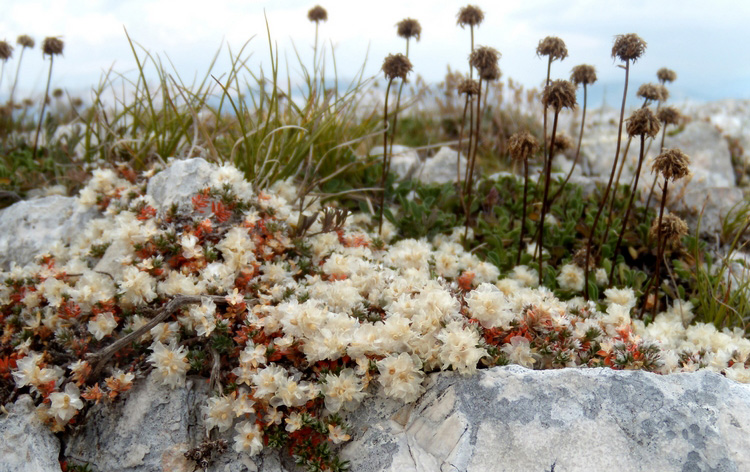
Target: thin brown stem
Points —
{"points": [[44, 106], [547, 172], [633, 191], [15, 79], [578, 151], [660, 250], [472, 162], [544, 126], [592, 233], [523, 217], [384, 175], [460, 138], [656, 177]]}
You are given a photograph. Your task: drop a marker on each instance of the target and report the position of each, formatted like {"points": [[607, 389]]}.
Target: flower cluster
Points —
{"points": [[294, 331]]}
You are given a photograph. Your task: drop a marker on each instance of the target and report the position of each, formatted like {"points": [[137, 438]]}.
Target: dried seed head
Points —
{"points": [[666, 75], [628, 47], [490, 74], [553, 47], [470, 15], [583, 74], [522, 145], [57, 93], [562, 143], [317, 14], [409, 28], [52, 46], [669, 115], [559, 94], [643, 122], [484, 60], [672, 164], [396, 65], [468, 87], [6, 50], [654, 92], [25, 41], [673, 228], [76, 102]]}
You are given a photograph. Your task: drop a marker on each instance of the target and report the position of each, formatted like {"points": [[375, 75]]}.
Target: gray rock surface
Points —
{"points": [[27, 444], [501, 419], [438, 169], [179, 182], [511, 418], [151, 430], [28, 227], [441, 168], [710, 160], [404, 161], [731, 117]]}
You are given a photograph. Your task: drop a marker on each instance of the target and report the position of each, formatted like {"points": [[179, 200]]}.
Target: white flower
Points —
{"points": [[527, 276], [401, 376], [571, 278], [137, 287], [202, 316], [249, 437], [64, 405], [343, 390], [29, 373], [218, 413], [460, 349], [490, 306], [102, 325], [519, 352], [485, 272], [243, 404], [267, 381], [293, 422], [337, 434], [289, 393], [178, 283], [171, 364], [190, 247], [621, 296], [409, 253]]}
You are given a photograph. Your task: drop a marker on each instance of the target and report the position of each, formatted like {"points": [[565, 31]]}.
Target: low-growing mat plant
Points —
{"points": [[294, 200]]}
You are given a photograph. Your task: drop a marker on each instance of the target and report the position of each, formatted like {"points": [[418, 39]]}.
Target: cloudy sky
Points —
{"points": [[701, 40]]}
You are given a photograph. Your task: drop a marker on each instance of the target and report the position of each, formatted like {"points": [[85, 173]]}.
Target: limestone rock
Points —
{"points": [[501, 419], [710, 160], [441, 168], [151, 430], [27, 445], [404, 161], [179, 182], [29, 227]]}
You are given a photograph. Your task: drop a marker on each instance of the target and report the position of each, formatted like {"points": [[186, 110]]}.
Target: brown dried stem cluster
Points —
{"points": [[485, 60], [395, 66], [672, 164], [51, 46], [522, 145], [626, 47], [557, 95], [642, 123], [585, 75]]}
